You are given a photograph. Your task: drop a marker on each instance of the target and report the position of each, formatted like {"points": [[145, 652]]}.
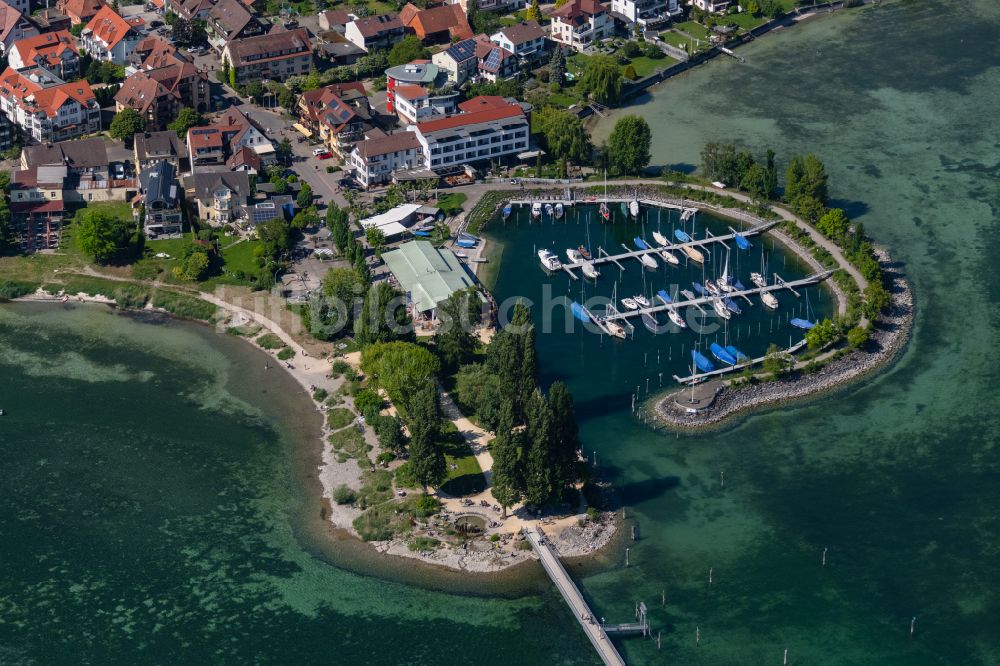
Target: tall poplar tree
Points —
{"points": [[565, 436], [426, 455], [539, 477], [507, 464]]}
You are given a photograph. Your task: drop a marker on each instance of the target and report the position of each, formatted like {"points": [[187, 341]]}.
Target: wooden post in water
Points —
{"points": [[663, 598], [710, 569], [633, 533], [697, 635], [824, 557], [722, 479], [658, 639], [785, 660], [626, 556], [913, 626]]}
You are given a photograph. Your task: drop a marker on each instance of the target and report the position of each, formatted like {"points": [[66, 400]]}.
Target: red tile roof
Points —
{"points": [[409, 92], [48, 99], [483, 102], [46, 49], [475, 117], [80, 11], [427, 22], [109, 27], [391, 143], [574, 10], [373, 26]]}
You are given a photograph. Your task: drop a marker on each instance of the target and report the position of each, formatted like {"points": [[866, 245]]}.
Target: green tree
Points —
{"points": [[457, 315], [399, 368], [232, 78], [482, 391], [815, 178], [809, 208], [389, 431], [629, 145], [540, 462], [304, 198], [754, 183], [602, 78], [507, 464], [565, 436], [426, 455], [822, 334], [406, 50], [770, 175], [376, 240], [284, 151], [557, 66], [534, 12], [104, 237], [775, 361], [383, 316], [275, 237], [254, 90], [225, 68], [629, 72], [857, 337], [185, 120], [127, 123], [196, 265], [565, 137], [834, 224]]}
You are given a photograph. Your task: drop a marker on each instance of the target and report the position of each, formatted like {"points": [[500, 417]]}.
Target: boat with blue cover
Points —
{"points": [[664, 296], [506, 211], [719, 352], [698, 287], [802, 323], [580, 312], [640, 244], [682, 236], [466, 240], [703, 363], [741, 241], [731, 305], [740, 356]]}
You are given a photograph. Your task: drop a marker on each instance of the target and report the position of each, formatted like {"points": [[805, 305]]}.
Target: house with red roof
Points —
{"points": [[79, 11], [55, 51], [14, 26], [234, 140], [579, 23], [415, 103], [339, 114], [45, 107], [275, 56], [110, 38], [436, 25]]}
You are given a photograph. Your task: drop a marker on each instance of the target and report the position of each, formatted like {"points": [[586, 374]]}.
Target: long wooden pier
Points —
{"points": [[571, 594], [697, 302]]}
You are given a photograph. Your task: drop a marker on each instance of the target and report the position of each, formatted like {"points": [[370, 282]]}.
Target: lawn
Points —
{"points": [[451, 204], [241, 257], [467, 477], [120, 209], [171, 246], [696, 30], [745, 20], [645, 66]]}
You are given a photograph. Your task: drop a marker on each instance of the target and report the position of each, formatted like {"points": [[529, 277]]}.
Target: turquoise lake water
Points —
{"points": [[156, 504]]}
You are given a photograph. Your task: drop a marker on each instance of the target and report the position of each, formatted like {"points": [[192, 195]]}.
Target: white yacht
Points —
{"points": [[660, 239], [642, 301], [550, 261], [721, 309], [676, 318], [630, 303]]}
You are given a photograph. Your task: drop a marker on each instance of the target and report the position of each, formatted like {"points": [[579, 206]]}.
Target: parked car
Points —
{"points": [[319, 151], [118, 171], [325, 155]]}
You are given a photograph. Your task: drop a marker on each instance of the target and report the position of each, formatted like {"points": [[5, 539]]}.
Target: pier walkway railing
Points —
{"points": [[571, 594]]}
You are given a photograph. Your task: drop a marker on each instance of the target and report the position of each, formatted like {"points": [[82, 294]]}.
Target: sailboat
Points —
{"points": [[669, 257], [642, 301], [758, 279], [651, 323], [605, 213], [576, 257], [676, 318], [664, 297], [720, 308], [719, 352], [740, 356], [584, 252], [633, 208], [804, 323], [615, 329], [703, 363], [741, 241], [630, 303], [731, 305], [693, 254], [725, 282], [559, 210], [660, 239], [712, 288], [769, 300]]}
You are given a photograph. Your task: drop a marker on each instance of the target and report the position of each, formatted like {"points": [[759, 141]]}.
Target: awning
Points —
{"points": [[302, 130]]}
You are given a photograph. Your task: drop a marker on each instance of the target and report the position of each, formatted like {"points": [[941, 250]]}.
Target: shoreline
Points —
{"points": [[482, 557], [891, 333]]}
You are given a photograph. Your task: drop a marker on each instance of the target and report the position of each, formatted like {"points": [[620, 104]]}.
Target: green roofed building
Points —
{"points": [[428, 275]]}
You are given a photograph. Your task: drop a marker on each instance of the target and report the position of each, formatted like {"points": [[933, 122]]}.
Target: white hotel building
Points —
{"points": [[487, 129]]}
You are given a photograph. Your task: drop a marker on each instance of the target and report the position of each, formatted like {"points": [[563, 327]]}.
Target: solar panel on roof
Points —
{"points": [[493, 60]]}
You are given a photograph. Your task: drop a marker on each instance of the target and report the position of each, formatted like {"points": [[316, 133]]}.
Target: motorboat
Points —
{"points": [[466, 240], [741, 241], [630, 303], [536, 210], [590, 271], [574, 256], [549, 210], [506, 211], [675, 317], [584, 252], [603, 210], [559, 210], [720, 308], [615, 329], [550, 261], [641, 300], [660, 238], [633, 208], [758, 279], [769, 300]]}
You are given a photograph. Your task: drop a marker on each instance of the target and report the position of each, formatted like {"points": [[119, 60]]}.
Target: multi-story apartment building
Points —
{"points": [[375, 32], [643, 11], [374, 160], [415, 104], [229, 20], [220, 195], [14, 26], [37, 207], [276, 56], [55, 51], [488, 128], [712, 6], [148, 148], [109, 37], [234, 140], [458, 61], [164, 83], [338, 123], [579, 23], [45, 107]]}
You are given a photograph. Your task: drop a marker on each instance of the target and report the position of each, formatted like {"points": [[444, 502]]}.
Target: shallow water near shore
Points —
{"points": [[149, 501]]}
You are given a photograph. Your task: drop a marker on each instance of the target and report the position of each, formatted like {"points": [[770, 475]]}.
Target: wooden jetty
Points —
{"points": [[597, 633], [815, 278]]}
